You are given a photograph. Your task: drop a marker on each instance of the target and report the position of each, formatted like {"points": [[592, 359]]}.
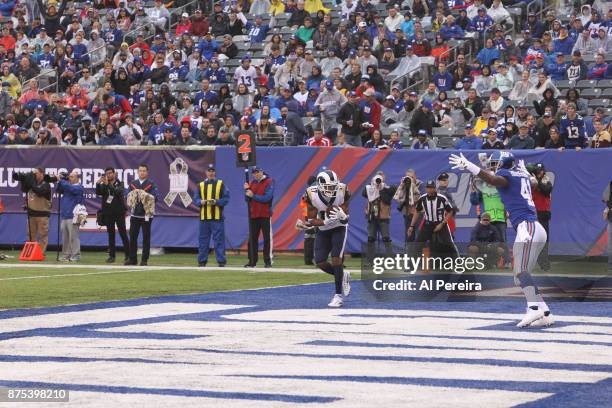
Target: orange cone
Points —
{"points": [[31, 252]]}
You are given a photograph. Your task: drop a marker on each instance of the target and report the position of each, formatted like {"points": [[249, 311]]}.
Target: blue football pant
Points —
{"points": [[215, 230]]}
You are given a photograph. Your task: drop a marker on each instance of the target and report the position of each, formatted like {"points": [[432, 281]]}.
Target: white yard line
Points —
{"points": [[111, 269]]}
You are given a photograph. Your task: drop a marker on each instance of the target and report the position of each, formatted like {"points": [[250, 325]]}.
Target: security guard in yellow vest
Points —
{"points": [[211, 196]]}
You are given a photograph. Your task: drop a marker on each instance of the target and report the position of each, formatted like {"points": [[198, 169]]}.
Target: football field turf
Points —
{"points": [[172, 334], [51, 283]]}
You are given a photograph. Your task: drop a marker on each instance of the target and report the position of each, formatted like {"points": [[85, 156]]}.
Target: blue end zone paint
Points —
{"points": [[303, 399], [605, 368], [598, 394], [566, 389], [404, 346], [457, 337], [315, 297]]}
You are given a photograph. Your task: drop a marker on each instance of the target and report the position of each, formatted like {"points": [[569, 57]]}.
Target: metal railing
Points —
{"points": [[280, 138], [465, 45], [173, 13]]}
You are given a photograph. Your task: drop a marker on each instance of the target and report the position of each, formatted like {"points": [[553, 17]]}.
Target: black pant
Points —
{"points": [[260, 225], [119, 220], [543, 261], [441, 243], [309, 240], [135, 225]]}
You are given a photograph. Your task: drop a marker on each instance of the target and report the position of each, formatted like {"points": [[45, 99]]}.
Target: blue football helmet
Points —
{"points": [[501, 160]]}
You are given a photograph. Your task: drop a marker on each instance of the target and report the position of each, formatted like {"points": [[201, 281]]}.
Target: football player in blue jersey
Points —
{"points": [[572, 129], [513, 182]]}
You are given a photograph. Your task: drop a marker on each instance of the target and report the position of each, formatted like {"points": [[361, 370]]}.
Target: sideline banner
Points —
{"points": [[176, 173], [579, 178]]}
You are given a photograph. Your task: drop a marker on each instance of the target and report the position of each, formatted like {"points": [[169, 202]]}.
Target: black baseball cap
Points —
{"points": [[210, 167], [430, 183], [443, 176]]}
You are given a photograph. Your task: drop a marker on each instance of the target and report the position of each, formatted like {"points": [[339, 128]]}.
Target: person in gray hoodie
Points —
{"points": [[329, 102]]}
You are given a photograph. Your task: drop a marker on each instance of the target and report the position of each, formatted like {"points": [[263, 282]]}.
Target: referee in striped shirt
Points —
{"points": [[437, 210]]}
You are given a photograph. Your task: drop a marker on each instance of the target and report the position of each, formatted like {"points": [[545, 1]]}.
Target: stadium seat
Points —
{"points": [[447, 142], [591, 93], [604, 83], [563, 84], [596, 103], [606, 93], [588, 59], [586, 83], [443, 132]]}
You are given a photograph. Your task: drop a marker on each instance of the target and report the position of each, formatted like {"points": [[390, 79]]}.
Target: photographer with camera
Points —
{"points": [[113, 211], [407, 195], [378, 211], [541, 195], [38, 203], [71, 191]]}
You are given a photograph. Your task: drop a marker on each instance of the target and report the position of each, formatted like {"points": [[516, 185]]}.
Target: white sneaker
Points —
{"points": [[346, 283], [531, 316], [336, 301], [544, 321]]}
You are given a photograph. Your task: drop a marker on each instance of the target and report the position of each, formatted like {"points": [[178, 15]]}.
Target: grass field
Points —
{"points": [[49, 283], [43, 284]]}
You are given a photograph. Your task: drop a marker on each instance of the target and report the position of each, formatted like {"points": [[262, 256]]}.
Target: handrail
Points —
{"points": [[179, 9]]}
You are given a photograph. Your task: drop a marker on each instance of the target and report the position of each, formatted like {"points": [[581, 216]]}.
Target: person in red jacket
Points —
{"points": [[117, 106], [541, 195], [184, 25], [199, 24], [259, 194]]}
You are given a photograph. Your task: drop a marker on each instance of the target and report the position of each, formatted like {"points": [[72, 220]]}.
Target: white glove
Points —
{"points": [[338, 214], [461, 163], [521, 166], [301, 226]]}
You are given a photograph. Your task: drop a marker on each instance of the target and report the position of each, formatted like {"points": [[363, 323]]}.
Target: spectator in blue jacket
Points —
{"points": [[489, 53], [558, 69], [469, 141], [257, 32], [110, 136], [598, 71], [208, 46], [72, 195], [6, 7], [482, 21], [535, 27], [564, 43], [443, 79], [450, 30], [178, 71], [214, 73]]}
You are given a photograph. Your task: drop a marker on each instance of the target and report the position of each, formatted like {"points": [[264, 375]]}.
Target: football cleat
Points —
{"points": [[346, 283], [544, 321], [531, 316], [336, 301]]}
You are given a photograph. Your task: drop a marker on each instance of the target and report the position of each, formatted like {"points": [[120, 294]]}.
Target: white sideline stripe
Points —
{"points": [[110, 269]]}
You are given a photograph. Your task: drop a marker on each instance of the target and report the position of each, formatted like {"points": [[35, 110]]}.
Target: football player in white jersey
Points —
{"points": [[327, 208]]}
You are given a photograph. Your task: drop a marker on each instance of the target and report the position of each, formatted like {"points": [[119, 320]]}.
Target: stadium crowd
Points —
{"points": [[355, 73]]}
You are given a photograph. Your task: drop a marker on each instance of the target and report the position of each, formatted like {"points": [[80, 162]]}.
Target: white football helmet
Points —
{"points": [[327, 182]]}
